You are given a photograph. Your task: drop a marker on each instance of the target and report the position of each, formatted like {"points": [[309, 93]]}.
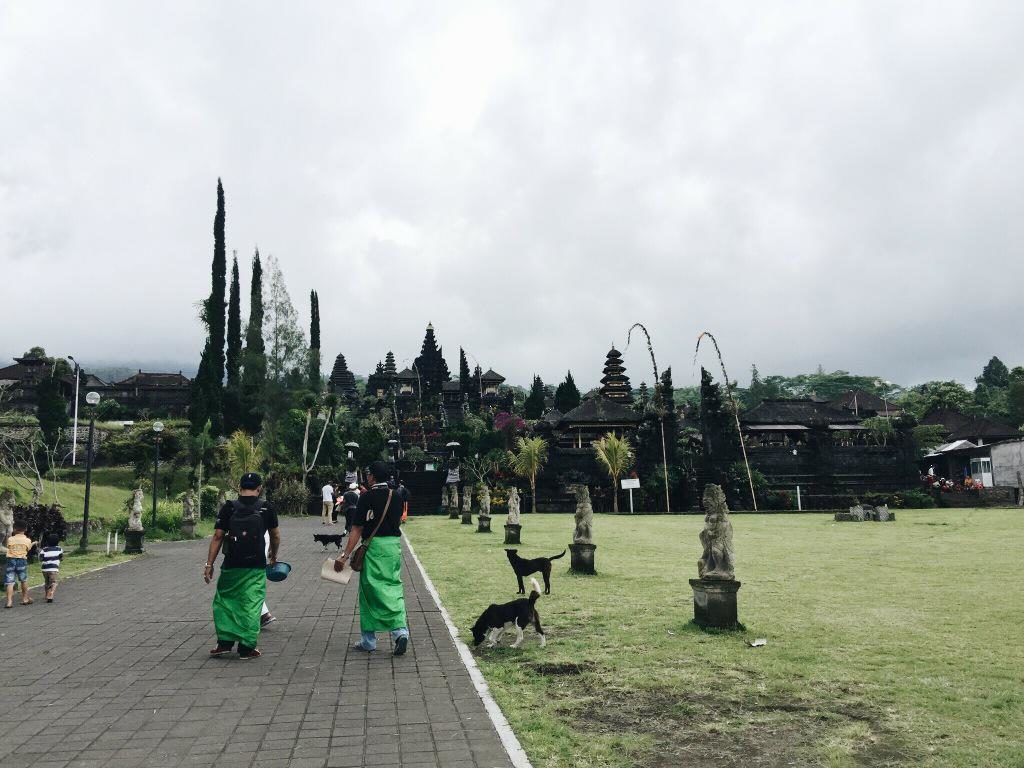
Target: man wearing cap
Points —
{"points": [[242, 584], [381, 595]]}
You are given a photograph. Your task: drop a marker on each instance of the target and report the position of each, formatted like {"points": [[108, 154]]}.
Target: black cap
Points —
{"points": [[379, 470], [250, 481]]}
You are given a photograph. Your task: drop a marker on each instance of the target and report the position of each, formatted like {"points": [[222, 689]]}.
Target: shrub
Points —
{"points": [[290, 497], [778, 500], [40, 520], [914, 499], [208, 497]]}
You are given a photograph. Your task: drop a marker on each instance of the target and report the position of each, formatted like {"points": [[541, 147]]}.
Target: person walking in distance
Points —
{"points": [[403, 496], [242, 584], [349, 502], [381, 594], [328, 504]]}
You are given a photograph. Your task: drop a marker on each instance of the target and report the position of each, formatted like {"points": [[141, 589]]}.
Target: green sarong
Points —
{"points": [[238, 603], [381, 597]]}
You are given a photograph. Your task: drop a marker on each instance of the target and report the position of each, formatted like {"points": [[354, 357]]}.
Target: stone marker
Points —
{"points": [[134, 536], [453, 501], [714, 592], [582, 548], [512, 526], [188, 514], [484, 518]]}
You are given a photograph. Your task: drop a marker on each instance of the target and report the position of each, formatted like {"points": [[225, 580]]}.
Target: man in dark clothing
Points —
{"points": [[242, 585], [381, 594]]}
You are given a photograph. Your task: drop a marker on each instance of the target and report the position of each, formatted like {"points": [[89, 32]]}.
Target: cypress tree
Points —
{"points": [[254, 359], [212, 381], [51, 409], [567, 395], [464, 382], [198, 408], [314, 341], [232, 390], [533, 408]]}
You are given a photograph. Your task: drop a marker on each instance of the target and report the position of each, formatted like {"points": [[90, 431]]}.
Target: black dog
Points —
{"points": [[524, 567], [329, 538], [519, 613]]}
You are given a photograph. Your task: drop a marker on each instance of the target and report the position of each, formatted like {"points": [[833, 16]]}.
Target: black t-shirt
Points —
{"points": [[224, 517], [373, 501], [350, 500]]}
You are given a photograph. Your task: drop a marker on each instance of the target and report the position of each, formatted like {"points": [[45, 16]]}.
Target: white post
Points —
{"points": [[799, 505], [108, 543], [74, 437], [115, 542], [631, 501]]}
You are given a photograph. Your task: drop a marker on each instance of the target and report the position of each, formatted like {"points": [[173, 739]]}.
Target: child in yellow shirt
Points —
{"points": [[18, 547]]}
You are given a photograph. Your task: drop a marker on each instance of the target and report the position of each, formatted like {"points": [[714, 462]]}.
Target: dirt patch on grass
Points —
{"points": [[562, 668], [709, 730]]}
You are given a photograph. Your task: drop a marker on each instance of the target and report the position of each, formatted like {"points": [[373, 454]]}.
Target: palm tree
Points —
{"points": [[244, 454], [528, 459], [616, 456]]}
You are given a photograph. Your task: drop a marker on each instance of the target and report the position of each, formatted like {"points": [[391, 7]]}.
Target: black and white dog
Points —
{"points": [[519, 613], [329, 538]]}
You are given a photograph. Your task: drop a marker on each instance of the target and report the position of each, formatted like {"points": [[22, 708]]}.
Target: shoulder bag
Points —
{"points": [[355, 560]]}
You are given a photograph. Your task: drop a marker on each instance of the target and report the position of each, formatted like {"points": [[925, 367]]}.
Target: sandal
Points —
{"points": [[27, 602]]}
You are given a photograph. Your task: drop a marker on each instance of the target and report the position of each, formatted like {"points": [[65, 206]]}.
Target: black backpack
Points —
{"points": [[243, 543]]}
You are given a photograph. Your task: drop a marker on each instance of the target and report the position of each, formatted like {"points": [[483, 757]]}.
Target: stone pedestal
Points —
{"points": [[512, 531], [134, 541], [453, 514], [582, 558], [188, 529], [483, 524], [467, 518], [714, 603]]}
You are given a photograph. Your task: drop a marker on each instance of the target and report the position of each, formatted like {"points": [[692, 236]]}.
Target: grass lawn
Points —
{"points": [[888, 643], [111, 486], [105, 501]]}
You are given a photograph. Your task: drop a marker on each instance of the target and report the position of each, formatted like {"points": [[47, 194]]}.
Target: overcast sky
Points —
{"points": [[816, 183]]}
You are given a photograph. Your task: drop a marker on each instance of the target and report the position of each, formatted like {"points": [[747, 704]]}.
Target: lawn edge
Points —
{"points": [[93, 570], [513, 748]]}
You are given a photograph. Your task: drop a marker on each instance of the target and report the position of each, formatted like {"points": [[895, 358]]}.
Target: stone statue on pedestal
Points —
{"points": [[513, 506], [6, 515], [135, 516], [717, 560], [485, 499], [467, 499], [188, 507], [584, 516]]}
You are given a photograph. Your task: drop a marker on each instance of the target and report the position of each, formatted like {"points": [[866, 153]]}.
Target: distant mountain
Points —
{"points": [[111, 372]]}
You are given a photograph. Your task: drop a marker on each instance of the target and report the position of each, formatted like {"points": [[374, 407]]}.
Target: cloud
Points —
{"points": [[831, 184]]}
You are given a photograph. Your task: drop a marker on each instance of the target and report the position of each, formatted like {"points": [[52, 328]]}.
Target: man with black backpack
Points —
{"points": [[242, 584]]}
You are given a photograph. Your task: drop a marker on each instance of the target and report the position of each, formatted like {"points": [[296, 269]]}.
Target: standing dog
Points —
{"points": [[328, 538], [524, 567], [519, 613]]}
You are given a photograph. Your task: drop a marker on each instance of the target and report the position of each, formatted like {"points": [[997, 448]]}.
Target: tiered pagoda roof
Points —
{"points": [[615, 384], [343, 381]]}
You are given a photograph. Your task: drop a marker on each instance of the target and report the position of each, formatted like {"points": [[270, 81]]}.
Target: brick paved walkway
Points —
{"points": [[116, 673]]}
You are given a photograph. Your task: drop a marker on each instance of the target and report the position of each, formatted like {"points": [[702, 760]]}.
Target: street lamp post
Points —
{"points": [[92, 399], [158, 427], [74, 435]]}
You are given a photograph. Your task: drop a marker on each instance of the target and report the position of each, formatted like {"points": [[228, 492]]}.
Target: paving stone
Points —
{"points": [[128, 680]]}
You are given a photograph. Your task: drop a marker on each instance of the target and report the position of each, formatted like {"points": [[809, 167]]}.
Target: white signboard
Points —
{"points": [[630, 482]]}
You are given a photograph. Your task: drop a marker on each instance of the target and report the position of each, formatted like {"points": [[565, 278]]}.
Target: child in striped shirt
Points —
{"points": [[49, 559]]}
